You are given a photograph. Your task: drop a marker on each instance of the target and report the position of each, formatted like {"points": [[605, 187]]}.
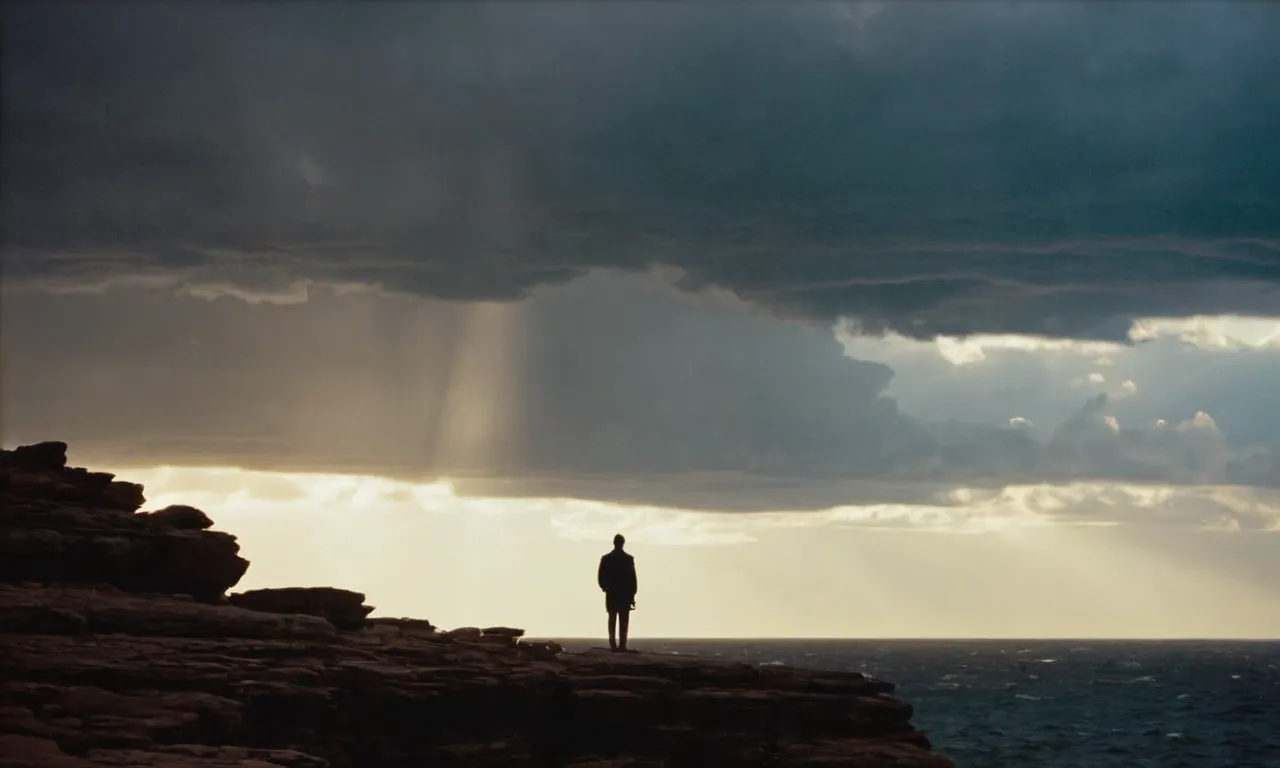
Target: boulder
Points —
{"points": [[403, 624], [203, 564], [545, 650], [503, 632], [465, 634], [340, 607], [47, 455], [180, 516]]}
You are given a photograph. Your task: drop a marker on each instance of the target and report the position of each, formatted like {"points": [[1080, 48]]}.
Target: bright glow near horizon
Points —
{"points": [[879, 571]]}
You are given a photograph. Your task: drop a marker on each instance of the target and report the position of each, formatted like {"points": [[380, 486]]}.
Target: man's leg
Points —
{"points": [[624, 618], [613, 624]]}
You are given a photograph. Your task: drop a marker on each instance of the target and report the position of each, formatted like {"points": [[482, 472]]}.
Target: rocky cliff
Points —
{"points": [[119, 647]]}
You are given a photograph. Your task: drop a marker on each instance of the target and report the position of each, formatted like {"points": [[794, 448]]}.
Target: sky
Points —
{"points": [[862, 319]]}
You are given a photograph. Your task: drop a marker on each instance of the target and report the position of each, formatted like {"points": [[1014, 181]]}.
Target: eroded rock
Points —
{"points": [[180, 516], [111, 674], [51, 454], [66, 524], [342, 608]]}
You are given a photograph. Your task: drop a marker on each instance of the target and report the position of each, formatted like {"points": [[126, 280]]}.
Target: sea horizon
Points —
{"points": [[886, 639]]}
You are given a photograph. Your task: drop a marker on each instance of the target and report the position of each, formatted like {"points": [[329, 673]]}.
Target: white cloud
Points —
{"points": [[296, 292], [1209, 332], [1201, 420], [973, 349], [1221, 332]]}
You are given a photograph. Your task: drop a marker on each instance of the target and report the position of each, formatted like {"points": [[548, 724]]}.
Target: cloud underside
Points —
{"points": [[618, 390], [921, 168]]}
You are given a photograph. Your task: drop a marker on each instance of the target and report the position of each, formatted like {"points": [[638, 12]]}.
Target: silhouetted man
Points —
{"points": [[617, 577]]}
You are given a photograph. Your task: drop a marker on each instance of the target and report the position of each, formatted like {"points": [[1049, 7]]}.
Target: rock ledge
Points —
{"points": [[118, 648]]}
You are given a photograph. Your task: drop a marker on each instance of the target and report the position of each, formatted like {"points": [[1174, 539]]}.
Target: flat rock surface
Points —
{"points": [[102, 674]]}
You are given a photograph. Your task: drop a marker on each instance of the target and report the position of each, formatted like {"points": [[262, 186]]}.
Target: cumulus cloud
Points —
{"points": [[1086, 165], [1221, 333], [1045, 383]]}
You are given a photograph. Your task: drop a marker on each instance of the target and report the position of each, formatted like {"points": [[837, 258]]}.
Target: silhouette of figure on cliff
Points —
{"points": [[617, 577]]}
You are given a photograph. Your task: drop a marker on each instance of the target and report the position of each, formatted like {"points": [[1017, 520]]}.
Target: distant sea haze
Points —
{"points": [[1058, 703]]}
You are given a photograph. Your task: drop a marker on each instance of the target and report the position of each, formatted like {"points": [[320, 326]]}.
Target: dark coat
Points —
{"points": [[617, 574]]}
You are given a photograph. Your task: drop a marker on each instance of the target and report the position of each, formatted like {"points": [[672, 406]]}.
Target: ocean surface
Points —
{"points": [[1059, 704]]}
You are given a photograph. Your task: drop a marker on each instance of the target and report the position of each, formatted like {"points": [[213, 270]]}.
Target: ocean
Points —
{"points": [[1059, 704]]}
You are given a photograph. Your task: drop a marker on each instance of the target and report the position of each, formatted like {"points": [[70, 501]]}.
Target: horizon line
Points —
{"points": [[1187, 639]]}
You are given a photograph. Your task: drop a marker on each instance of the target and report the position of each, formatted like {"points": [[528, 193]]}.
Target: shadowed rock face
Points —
{"points": [[99, 666], [63, 524], [180, 516], [341, 608]]}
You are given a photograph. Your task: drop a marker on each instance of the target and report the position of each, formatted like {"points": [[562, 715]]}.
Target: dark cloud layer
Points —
{"points": [[930, 168]]}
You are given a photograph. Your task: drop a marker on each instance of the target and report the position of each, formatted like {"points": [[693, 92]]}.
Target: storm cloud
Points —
{"points": [[625, 390], [933, 168]]}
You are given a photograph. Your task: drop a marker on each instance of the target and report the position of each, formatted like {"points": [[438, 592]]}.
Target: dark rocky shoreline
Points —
{"points": [[119, 646]]}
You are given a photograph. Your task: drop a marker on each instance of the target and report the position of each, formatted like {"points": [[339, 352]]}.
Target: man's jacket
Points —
{"points": [[617, 574]]}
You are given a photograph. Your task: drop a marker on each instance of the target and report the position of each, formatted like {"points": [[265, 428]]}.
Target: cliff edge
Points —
{"points": [[120, 647]]}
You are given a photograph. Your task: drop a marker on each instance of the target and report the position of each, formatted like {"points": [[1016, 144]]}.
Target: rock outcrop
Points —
{"points": [[114, 654], [180, 516], [340, 607], [63, 524]]}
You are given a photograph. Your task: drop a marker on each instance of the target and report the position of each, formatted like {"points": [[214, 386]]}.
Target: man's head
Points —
{"points": [[618, 541]]}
